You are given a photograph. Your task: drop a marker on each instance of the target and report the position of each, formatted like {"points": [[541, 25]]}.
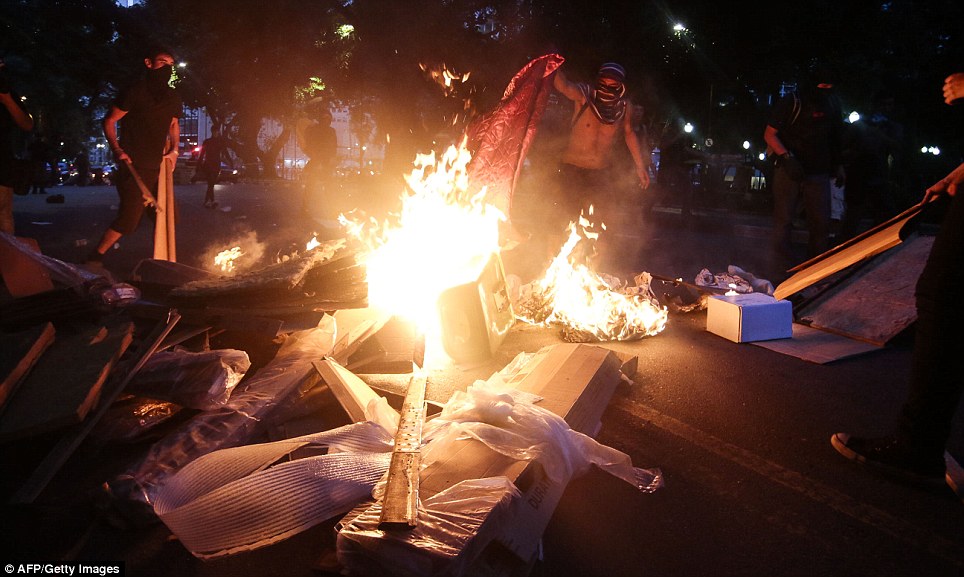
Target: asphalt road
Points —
{"points": [[741, 433]]}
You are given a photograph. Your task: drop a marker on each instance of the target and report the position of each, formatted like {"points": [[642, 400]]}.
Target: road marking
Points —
{"points": [[877, 518]]}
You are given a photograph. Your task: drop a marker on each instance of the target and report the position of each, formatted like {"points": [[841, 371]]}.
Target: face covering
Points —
{"points": [[157, 80], [606, 102]]}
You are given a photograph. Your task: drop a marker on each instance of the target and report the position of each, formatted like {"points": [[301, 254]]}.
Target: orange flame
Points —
{"points": [[587, 305], [225, 259], [442, 238]]}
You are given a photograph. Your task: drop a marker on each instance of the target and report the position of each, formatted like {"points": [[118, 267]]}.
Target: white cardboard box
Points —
{"points": [[749, 317]]}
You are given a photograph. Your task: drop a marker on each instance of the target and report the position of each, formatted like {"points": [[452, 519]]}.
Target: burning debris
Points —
{"points": [[588, 306]]}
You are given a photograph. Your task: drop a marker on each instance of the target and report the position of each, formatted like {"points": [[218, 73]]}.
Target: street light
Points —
{"points": [[746, 145], [854, 117], [687, 128]]}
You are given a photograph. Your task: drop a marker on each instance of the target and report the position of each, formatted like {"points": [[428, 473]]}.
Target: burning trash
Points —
{"points": [[589, 306]]}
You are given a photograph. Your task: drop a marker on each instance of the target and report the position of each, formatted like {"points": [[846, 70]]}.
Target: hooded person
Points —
{"points": [[804, 134], [147, 111], [586, 173]]}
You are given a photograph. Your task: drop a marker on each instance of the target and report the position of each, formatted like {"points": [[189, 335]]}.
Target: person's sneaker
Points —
{"points": [[889, 456]]}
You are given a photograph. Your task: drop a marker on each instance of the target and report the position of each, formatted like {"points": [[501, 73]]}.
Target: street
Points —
{"points": [[741, 433]]}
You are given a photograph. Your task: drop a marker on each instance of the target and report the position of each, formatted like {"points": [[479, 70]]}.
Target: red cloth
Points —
{"points": [[501, 138]]}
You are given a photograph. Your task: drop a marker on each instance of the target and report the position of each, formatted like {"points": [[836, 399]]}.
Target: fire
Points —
{"points": [[588, 306], [225, 259], [442, 237]]}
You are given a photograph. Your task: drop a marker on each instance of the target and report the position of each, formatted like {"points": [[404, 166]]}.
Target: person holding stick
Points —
{"points": [[148, 112], [915, 451]]}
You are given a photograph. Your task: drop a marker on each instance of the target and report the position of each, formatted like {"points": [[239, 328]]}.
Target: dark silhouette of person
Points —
{"points": [[147, 111], [39, 152], [915, 451], [319, 142], [804, 132], [209, 164], [871, 149], [14, 120]]}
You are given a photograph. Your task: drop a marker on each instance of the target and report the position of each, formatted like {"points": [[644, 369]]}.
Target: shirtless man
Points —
{"points": [[585, 176]]}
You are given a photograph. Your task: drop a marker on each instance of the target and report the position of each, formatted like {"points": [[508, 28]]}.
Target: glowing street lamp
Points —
{"points": [[688, 128], [746, 145]]}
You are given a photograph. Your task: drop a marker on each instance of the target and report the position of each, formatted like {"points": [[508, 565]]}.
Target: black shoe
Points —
{"points": [[891, 457]]}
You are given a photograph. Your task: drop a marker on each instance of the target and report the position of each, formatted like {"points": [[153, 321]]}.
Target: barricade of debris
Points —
{"points": [[246, 401]]}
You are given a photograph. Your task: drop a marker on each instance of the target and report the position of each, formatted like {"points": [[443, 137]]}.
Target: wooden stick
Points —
{"points": [[149, 199]]}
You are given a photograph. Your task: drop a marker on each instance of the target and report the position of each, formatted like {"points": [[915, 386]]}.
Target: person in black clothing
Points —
{"points": [[147, 112], [318, 140], [39, 161], [871, 150], [804, 133], [916, 451], [209, 164], [13, 120]]}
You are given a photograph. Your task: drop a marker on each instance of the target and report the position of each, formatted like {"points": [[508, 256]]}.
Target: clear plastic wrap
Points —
{"points": [[60, 272], [443, 541], [489, 413], [447, 540], [202, 381], [234, 423], [233, 500]]}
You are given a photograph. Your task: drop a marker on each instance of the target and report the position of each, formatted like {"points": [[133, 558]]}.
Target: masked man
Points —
{"points": [[600, 114], [147, 112], [804, 133]]}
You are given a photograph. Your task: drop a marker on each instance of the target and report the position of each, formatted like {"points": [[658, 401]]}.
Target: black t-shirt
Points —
{"points": [[144, 129], [814, 137], [12, 143]]}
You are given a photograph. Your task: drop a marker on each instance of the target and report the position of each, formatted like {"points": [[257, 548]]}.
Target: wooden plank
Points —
{"points": [[19, 352], [875, 241], [400, 503], [351, 392], [68, 443], [66, 384]]}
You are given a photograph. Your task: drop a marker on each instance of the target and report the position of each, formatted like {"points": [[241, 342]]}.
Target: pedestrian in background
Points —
{"points": [[14, 119], [871, 151], [209, 165], [916, 450], [318, 140], [39, 152], [148, 112], [804, 134]]}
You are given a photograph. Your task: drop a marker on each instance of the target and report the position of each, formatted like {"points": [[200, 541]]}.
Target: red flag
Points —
{"points": [[501, 138]]}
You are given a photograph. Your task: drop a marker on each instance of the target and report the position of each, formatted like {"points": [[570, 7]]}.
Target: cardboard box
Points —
{"points": [[746, 318]]}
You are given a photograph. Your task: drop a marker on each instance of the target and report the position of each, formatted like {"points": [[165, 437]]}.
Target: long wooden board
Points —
{"points": [[19, 352], [875, 241], [65, 386]]}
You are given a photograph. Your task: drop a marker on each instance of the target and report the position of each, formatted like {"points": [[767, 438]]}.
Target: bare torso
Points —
{"points": [[590, 141]]}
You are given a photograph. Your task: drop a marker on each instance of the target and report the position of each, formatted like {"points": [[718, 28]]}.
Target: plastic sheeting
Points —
{"points": [[230, 501], [202, 381], [443, 542], [234, 423]]}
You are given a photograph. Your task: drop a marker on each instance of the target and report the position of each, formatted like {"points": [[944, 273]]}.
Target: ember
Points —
{"points": [[589, 306]]}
